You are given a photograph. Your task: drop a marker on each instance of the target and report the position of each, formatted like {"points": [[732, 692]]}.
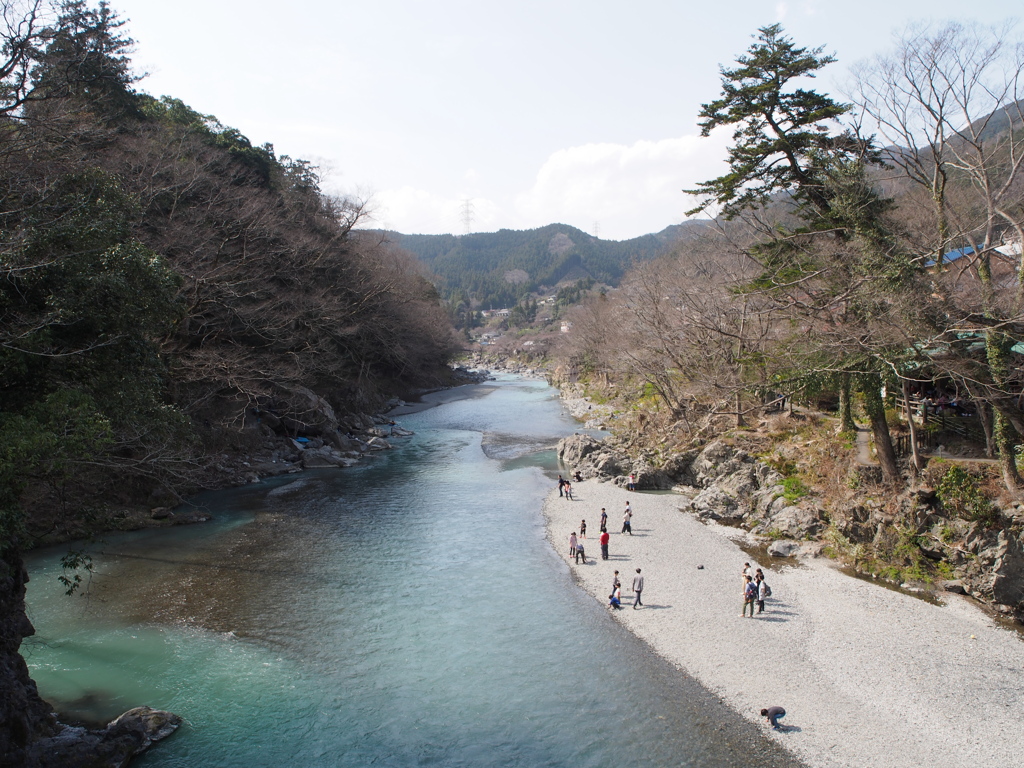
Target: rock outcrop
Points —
{"points": [[738, 489], [111, 747], [594, 457], [30, 736], [727, 484]]}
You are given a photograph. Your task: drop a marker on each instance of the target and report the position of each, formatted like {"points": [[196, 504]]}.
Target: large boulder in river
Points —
{"points": [[112, 747]]}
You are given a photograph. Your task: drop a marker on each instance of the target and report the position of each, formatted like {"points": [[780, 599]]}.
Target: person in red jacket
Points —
{"points": [[604, 544]]}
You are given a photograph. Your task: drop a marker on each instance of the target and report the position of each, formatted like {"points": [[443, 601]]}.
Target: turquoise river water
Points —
{"points": [[405, 612]]}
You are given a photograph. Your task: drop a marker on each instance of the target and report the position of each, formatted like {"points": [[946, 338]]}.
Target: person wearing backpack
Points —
{"points": [[749, 596]]}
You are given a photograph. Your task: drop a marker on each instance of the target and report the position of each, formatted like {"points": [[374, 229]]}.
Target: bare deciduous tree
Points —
{"points": [[950, 102]]}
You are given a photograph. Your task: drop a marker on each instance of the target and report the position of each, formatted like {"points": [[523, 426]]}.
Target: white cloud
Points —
{"points": [[630, 189], [625, 190], [416, 211]]}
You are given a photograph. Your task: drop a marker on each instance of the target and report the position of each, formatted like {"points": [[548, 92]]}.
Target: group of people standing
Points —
{"points": [[755, 590]]}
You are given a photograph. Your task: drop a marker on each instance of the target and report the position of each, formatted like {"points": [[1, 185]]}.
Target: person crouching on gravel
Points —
{"points": [[615, 598], [580, 554], [773, 714]]}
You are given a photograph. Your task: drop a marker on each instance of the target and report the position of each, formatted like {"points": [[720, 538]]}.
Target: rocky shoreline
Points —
{"points": [[726, 485], [716, 484], [313, 436]]}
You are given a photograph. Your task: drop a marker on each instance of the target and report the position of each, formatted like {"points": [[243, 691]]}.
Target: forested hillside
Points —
{"points": [[162, 276], [496, 269]]}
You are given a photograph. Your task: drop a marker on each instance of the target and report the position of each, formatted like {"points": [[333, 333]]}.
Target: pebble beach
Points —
{"points": [[869, 677]]}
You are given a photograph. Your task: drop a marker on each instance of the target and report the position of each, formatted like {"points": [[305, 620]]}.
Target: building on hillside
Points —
{"points": [[1009, 250]]}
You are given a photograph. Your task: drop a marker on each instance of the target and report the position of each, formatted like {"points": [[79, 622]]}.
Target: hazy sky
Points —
{"points": [[582, 112]]}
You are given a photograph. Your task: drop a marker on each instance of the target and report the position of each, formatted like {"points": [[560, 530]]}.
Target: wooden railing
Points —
{"points": [[933, 426]]}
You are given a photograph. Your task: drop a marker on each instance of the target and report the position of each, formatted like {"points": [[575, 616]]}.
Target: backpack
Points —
{"points": [[767, 591]]}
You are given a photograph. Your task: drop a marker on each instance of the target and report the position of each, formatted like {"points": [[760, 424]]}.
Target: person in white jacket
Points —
{"points": [[762, 592]]}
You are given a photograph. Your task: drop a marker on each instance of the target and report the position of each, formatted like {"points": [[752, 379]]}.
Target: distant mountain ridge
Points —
{"points": [[498, 268]]}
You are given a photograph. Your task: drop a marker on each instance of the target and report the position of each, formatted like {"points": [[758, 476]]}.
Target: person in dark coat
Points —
{"points": [[773, 714]]}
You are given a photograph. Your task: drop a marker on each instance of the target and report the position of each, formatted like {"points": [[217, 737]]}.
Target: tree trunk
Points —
{"points": [[739, 356], [997, 353], [880, 431], [985, 416], [918, 464], [1003, 433], [846, 422]]}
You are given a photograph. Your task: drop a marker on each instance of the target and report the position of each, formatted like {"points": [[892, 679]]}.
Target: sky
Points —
{"points": [[452, 116]]}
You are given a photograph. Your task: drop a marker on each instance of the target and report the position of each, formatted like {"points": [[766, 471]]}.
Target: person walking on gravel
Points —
{"points": [[604, 544], [627, 517], [638, 587], [572, 544]]}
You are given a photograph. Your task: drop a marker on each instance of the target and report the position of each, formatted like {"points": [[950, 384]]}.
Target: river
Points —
{"points": [[405, 612]]}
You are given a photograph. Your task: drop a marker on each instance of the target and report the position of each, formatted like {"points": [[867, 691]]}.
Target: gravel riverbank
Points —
{"points": [[868, 676]]}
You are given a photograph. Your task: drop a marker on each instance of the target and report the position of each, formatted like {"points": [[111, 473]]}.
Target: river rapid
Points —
{"points": [[405, 612]]}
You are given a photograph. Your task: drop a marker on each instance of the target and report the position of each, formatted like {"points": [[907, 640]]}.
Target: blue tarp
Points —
{"points": [[952, 256]]}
